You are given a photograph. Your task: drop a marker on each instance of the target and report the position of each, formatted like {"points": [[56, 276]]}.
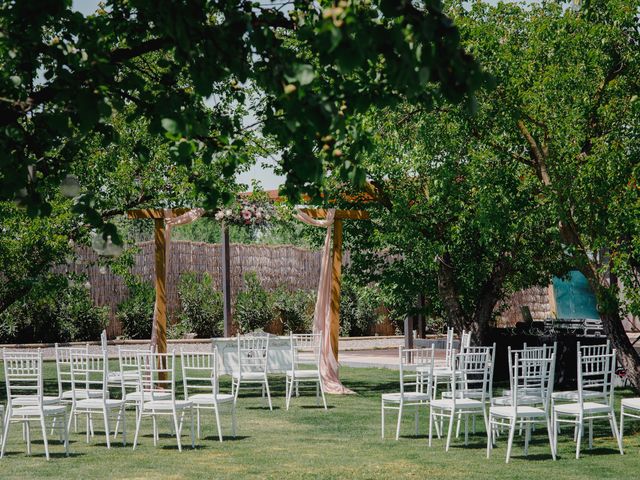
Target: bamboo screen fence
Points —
{"points": [[276, 266]]}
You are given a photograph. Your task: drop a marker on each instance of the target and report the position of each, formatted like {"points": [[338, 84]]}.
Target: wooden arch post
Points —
{"points": [[336, 263], [159, 217]]}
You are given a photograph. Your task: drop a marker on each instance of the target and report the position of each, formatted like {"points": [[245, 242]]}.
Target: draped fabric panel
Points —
{"points": [[329, 367]]}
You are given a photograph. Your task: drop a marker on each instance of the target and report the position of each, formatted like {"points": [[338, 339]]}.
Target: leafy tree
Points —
{"points": [[191, 68], [566, 108], [450, 219]]}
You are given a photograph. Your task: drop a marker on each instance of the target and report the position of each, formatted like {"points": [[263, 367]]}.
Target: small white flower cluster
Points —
{"points": [[246, 213]]}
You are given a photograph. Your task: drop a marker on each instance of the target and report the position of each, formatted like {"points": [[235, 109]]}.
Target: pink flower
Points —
{"points": [[246, 214]]}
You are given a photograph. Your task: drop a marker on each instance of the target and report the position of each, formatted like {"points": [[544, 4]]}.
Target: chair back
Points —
{"points": [[63, 365], [472, 376], [103, 340], [200, 372], [465, 340], [531, 376], [23, 375], [129, 368], [89, 371], [450, 354], [305, 349], [416, 369], [156, 375], [253, 353], [594, 350], [596, 374]]}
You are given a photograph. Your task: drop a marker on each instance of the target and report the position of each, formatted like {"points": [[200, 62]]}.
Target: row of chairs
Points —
{"points": [[529, 401], [146, 381]]}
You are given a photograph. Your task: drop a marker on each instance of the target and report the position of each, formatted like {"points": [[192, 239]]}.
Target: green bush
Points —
{"points": [[359, 309], [294, 309], [254, 305], [136, 312], [202, 308], [55, 310]]}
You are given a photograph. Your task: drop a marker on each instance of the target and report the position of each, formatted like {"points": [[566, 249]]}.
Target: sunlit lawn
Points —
{"points": [[307, 442]]}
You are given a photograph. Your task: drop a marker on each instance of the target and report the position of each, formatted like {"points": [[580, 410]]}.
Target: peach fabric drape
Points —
{"points": [[170, 222], [329, 367]]}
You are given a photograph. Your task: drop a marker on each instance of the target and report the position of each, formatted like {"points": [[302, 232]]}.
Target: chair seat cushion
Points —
{"points": [[68, 395], [631, 403], [167, 405], [98, 403], [588, 407], [303, 373], [522, 411], [34, 410], [406, 397], [572, 395], [249, 375], [28, 400], [464, 403], [210, 399], [522, 400], [136, 396]]}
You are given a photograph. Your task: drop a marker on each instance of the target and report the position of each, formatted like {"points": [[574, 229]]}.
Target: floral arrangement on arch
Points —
{"points": [[247, 213]]}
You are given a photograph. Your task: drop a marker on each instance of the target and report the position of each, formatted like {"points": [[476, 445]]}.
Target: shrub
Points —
{"points": [[136, 312], [202, 307], [294, 309], [55, 310], [359, 306], [254, 307]]}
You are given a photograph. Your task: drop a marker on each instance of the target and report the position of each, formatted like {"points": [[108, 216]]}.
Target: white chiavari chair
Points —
{"points": [[26, 401], [305, 351], [416, 382], [201, 387], [253, 363]]}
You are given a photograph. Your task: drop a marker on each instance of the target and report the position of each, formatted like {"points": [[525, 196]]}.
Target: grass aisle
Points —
{"points": [[307, 442]]}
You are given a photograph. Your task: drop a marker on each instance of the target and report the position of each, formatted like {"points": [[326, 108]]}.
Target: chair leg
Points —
{"points": [[512, 431], [266, 386], [233, 419], [289, 388], [198, 422], [550, 435], [123, 412], [527, 438], [28, 437], [399, 421], [44, 437], [590, 434], [324, 400], [177, 430], [66, 434], [580, 427], [490, 437], [135, 437], [155, 430], [5, 433], [382, 420], [451, 422], [193, 440], [616, 434], [215, 409], [107, 433], [621, 423]]}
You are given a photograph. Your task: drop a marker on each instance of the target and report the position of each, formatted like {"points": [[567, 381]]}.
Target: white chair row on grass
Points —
{"points": [[146, 381], [530, 400]]}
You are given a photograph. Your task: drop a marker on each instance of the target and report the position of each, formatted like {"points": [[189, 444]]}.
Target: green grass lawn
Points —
{"points": [[307, 442]]}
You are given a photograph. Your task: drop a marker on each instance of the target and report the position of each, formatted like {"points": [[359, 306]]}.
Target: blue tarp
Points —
{"points": [[574, 297]]}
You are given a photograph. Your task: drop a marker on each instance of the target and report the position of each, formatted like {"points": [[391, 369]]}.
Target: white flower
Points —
{"points": [[219, 215]]}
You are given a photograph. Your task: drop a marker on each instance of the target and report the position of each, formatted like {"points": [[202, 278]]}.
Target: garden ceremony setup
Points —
{"points": [[327, 239]]}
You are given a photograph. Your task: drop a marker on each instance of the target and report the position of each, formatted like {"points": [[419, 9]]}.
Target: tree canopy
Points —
{"points": [[192, 68]]}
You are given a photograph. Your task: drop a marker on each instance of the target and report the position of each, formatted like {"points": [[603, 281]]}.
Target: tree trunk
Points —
{"points": [[607, 297], [448, 291]]}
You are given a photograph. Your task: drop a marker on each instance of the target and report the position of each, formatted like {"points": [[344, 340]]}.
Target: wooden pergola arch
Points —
{"points": [[159, 216]]}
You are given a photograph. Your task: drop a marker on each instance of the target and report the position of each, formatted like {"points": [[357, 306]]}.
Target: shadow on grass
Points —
{"points": [[225, 438]]}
